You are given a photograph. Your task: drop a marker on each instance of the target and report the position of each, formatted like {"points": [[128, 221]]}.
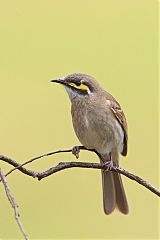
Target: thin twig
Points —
{"points": [[13, 203], [48, 154], [36, 158], [18, 166], [66, 165]]}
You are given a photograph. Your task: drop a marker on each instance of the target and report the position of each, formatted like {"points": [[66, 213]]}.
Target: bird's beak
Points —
{"points": [[59, 80]]}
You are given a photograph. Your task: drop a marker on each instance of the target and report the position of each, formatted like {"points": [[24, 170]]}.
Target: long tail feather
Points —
{"points": [[113, 191], [109, 194], [121, 200]]}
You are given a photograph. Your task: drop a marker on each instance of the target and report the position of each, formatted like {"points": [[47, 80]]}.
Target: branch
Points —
{"points": [[66, 165], [13, 204], [75, 152]]}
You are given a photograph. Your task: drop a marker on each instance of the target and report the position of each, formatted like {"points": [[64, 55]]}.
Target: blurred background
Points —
{"points": [[116, 42]]}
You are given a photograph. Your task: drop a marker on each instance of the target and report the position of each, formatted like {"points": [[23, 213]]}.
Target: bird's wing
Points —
{"points": [[119, 114]]}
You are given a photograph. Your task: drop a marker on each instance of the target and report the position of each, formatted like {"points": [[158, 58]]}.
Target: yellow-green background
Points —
{"points": [[115, 41]]}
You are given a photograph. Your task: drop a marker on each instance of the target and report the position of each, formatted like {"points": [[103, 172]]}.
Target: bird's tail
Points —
{"points": [[113, 193]]}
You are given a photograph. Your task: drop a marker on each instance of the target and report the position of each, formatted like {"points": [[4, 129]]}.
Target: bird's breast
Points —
{"points": [[97, 129]]}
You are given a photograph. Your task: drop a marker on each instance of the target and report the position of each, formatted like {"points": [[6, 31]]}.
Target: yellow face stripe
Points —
{"points": [[82, 87]]}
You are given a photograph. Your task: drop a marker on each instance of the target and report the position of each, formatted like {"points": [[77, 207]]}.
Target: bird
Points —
{"points": [[100, 124]]}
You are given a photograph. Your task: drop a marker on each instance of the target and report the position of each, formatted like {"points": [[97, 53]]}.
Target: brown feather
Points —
{"points": [[119, 114]]}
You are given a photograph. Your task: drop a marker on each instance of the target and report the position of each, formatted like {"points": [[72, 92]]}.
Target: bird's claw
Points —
{"points": [[76, 151], [109, 165]]}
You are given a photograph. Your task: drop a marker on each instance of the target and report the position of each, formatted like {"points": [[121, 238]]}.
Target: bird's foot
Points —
{"points": [[76, 151], [109, 164]]}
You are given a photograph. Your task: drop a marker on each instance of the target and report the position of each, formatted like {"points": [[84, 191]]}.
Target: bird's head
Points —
{"points": [[79, 85]]}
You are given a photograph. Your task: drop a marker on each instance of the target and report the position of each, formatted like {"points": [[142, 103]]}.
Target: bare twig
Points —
{"points": [[66, 165], [13, 203], [49, 154], [18, 166]]}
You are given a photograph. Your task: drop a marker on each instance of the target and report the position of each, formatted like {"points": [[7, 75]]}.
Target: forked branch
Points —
{"points": [[66, 165]]}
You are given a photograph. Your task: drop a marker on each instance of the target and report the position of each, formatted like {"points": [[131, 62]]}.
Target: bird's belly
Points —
{"points": [[102, 135]]}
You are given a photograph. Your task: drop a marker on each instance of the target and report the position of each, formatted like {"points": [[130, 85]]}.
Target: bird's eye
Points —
{"points": [[78, 83]]}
